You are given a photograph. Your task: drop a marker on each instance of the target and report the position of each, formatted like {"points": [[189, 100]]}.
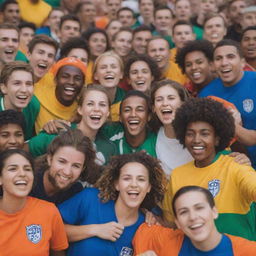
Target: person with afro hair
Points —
{"points": [[205, 127]]}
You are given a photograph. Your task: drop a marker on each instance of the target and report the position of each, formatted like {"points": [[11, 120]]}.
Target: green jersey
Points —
{"points": [[115, 132], [30, 114]]}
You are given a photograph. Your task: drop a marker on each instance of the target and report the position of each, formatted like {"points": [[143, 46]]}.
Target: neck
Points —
{"points": [[13, 204], [112, 93], [87, 131], [210, 243], [169, 131], [147, 20], [135, 141], [48, 187], [64, 103], [9, 105], [252, 62], [125, 215]]}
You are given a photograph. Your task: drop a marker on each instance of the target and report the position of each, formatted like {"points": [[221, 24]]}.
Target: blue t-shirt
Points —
{"points": [[224, 248], [86, 208], [243, 96]]}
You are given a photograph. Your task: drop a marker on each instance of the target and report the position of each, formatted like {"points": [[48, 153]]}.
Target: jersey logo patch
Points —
{"points": [[34, 233], [214, 187], [248, 105], [126, 251]]}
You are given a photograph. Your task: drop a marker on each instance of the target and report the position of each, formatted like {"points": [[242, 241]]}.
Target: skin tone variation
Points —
{"points": [[122, 44], [18, 90]]}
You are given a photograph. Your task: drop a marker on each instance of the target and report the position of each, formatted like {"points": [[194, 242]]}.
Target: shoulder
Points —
{"points": [[242, 246]]}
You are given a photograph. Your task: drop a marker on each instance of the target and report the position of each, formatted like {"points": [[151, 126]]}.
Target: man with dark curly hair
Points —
{"points": [[205, 127], [238, 87], [195, 60]]}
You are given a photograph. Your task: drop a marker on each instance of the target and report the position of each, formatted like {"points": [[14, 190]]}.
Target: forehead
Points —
{"points": [[182, 27], [26, 30], [146, 2], [11, 6], [108, 59], [182, 3], [44, 47], [189, 199], [78, 51], [248, 14], [113, 1], [70, 69], [144, 33], [139, 64], [10, 127], [20, 75], [126, 12], [158, 43], [200, 125], [134, 101], [164, 12], [9, 32], [97, 35], [215, 20], [190, 56], [71, 23], [250, 33], [134, 168], [124, 34], [236, 4], [95, 95], [225, 50]]}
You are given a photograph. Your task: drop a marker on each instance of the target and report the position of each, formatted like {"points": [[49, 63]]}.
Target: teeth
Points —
{"points": [[140, 82], [22, 97], [196, 75], [70, 89], [196, 226], [166, 111], [20, 182], [198, 148], [41, 65], [226, 70], [64, 177], [9, 51], [95, 117], [215, 36], [133, 122], [109, 77]]}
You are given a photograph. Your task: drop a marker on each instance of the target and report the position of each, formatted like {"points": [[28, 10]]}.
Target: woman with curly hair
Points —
{"points": [[108, 216], [206, 128]]}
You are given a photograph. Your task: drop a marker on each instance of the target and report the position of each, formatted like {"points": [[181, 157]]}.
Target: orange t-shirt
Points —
{"points": [[165, 241], [32, 231]]}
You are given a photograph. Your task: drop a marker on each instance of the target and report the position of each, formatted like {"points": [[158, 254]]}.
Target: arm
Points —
{"points": [[108, 231]]}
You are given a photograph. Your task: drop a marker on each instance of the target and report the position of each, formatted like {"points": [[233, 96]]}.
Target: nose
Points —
{"points": [[192, 215], [67, 170], [133, 182], [196, 138], [224, 61], [23, 88], [12, 140]]}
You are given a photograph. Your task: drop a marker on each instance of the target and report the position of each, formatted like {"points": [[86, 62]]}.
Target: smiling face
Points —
{"points": [[228, 64], [80, 54], [140, 76], [65, 167], [11, 13], [214, 30], [69, 29], [195, 218], [134, 116], [11, 137], [94, 110], [9, 43], [108, 72], [69, 82], [248, 44], [122, 44], [113, 28], [163, 21], [146, 8], [198, 68], [132, 185], [201, 140], [97, 44], [140, 41], [41, 59], [18, 90], [158, 49], [182, 34], [166, 102], [17, 177]]}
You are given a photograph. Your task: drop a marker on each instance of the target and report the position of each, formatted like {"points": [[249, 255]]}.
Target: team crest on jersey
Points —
{"points": [[34, 233], [214, 187], [248, 105], [126, 251]]}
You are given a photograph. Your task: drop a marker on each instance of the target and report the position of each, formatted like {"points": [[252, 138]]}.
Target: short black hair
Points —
{"points": [[186, 189], [69, 17], [163, 7], [209, 111], [91, 31], [140, 94], [182, 22], [203, 46], [142, 57], [125, 9], [25, 24], [7, 2], [74, 43], [247, 29], [11, 116], [229, 42], [141, 28]]}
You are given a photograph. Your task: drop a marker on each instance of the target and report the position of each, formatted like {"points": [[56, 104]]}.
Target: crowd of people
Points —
{"points": [[127, 127]]}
